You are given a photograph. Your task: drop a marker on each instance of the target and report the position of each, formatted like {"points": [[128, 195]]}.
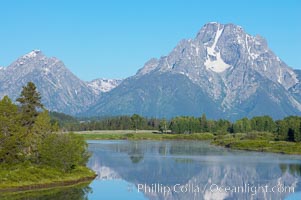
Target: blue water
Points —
{"points": [[189, 170], [144, 169]]}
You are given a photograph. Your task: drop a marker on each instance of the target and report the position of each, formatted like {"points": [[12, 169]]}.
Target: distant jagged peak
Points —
{"points": [[209, 31], [34, 60], [30, 57], [229, 25]]}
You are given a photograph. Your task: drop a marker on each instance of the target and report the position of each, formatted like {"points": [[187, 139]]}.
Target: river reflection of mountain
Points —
{"points": [[168, 163]]}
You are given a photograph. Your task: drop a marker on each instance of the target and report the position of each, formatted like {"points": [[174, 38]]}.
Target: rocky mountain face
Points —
{"points": [[61, 90], [223, 72]]}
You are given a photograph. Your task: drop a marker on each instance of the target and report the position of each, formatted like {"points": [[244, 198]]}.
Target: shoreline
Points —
{"points": [[257, 145], [47, 186], [31, 178]]}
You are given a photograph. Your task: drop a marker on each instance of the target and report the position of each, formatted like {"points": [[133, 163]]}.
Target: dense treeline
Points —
{"points": [[28, 136], [68, 123], [288, 129]]}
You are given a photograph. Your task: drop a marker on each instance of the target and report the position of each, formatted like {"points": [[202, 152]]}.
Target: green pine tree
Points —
{"points": [[30, 101]]}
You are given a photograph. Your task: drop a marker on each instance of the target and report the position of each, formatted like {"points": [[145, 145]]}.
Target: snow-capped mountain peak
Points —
{"points": [[61, 90], [32, 54], [214, 61], [218, 48], [229, 65]]}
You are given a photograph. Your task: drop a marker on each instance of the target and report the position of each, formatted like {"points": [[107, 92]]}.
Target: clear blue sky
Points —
{"points": [[113, 39]]}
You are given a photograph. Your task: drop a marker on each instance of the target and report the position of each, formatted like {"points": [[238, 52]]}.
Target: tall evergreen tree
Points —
{"points": [[30, 100]]}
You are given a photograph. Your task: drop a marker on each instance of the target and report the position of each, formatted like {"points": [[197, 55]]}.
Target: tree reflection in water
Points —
{"points": [[79, 192]]}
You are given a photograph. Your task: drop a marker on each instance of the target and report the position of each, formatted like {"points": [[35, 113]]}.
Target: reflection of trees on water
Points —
{"points": [[74, 193], [136, 154], [293, 169]]}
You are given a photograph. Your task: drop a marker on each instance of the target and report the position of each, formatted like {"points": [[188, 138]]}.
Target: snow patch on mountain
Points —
{"points": [[214, 61], [32, 54], [103, 85], [217, 64], [211, 50]]}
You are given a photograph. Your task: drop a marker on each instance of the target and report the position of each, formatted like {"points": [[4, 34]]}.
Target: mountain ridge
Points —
{"points": [[223, 72], [231, 67], [61, 90]]}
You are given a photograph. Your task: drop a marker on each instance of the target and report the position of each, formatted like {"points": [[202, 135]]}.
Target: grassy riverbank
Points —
{"points": [[78, 191], [31, 177], [255, 141], [144, 136], [261, 146]]}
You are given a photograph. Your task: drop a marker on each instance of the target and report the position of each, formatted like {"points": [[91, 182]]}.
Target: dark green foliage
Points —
{"points": [[65, 122], [63, 151], [11, 133], [242, 126], [223, 127], [27, 135], [289, 129], [199, 125], [137, 121], [263, 123], [185, 125], [108, 123], [40, 130], [30, 101]]}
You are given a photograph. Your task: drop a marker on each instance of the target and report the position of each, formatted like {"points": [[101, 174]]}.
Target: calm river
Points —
{"points": [[184, 170]]}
